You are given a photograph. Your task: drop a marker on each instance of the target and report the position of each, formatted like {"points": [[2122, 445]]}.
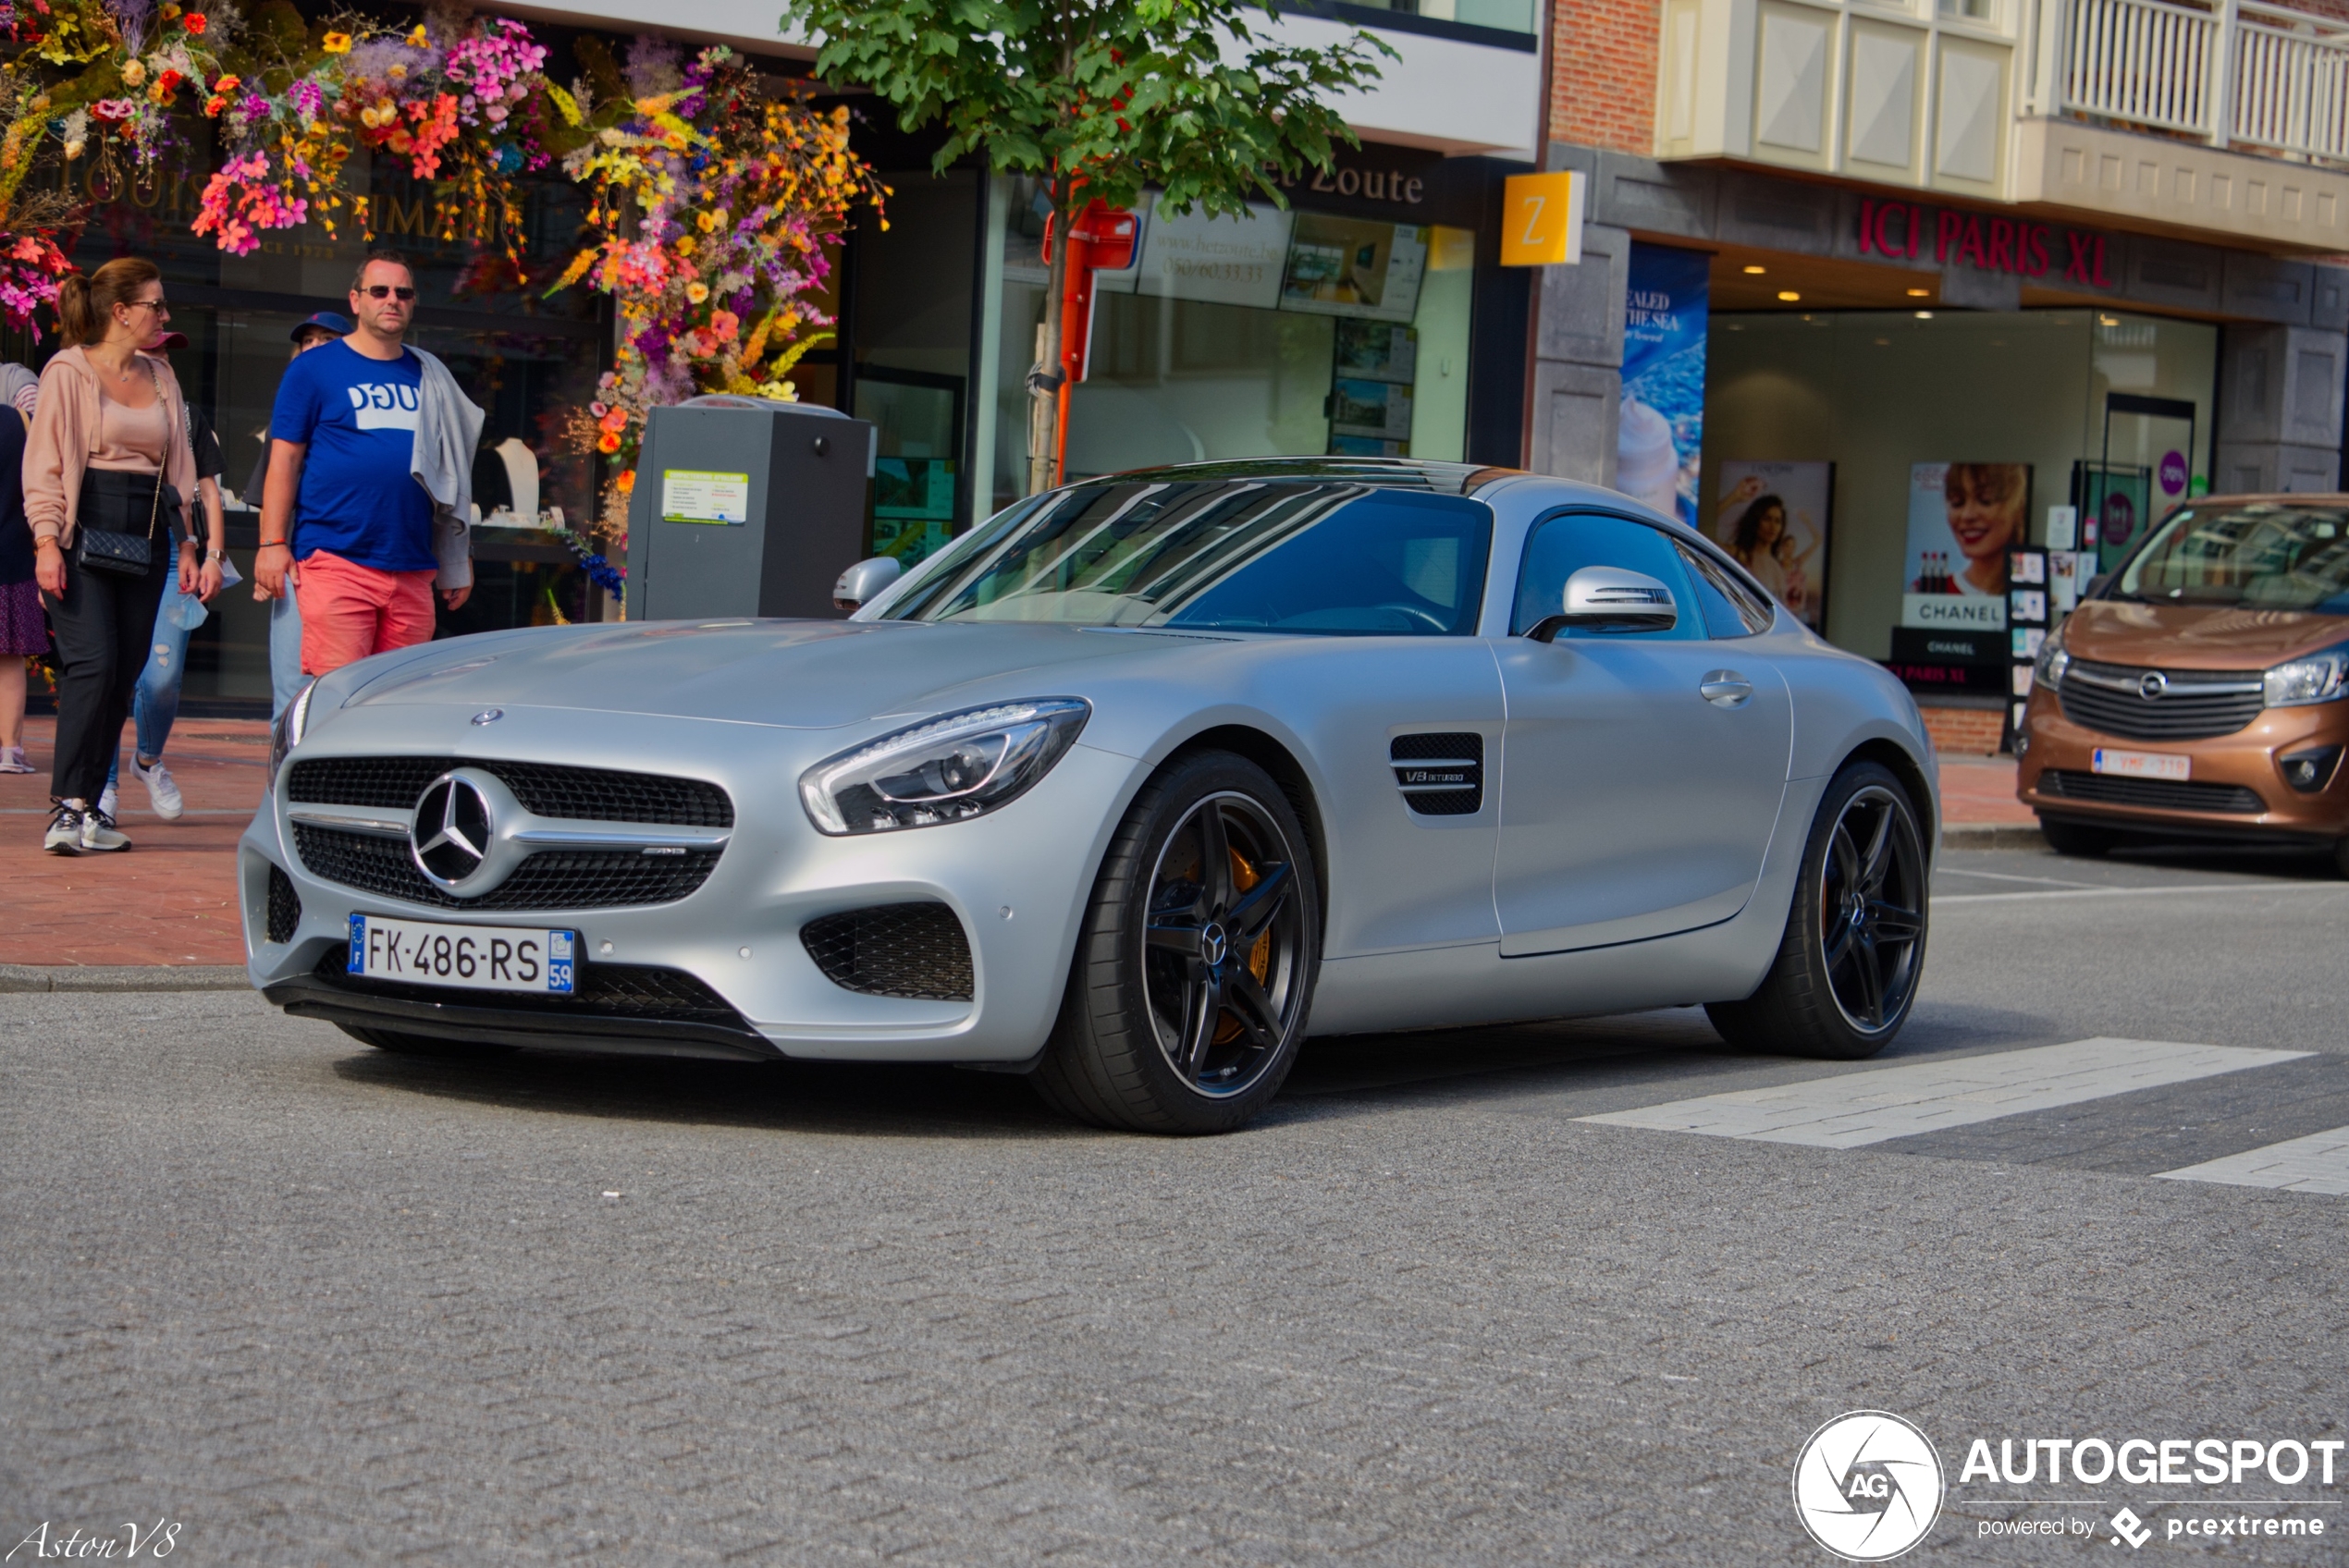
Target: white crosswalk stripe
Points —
{"points": [[1869, 1107], [2317, 1163]]}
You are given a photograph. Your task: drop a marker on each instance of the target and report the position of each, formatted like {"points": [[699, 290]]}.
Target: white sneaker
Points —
{"points": [[162, 793], [64, 837], [99, 833], [12, 760], [106, 801]]}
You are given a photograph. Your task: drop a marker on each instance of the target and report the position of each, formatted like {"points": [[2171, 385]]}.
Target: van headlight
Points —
{"points": [[2048, 671], [286, 734], [2320, 678], [950, 768]]}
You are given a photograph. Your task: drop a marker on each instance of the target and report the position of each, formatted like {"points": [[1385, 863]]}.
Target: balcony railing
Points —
{"points": [[2239, 74]]}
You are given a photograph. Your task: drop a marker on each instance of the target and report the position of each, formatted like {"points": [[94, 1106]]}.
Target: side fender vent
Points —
{"points": [[1441, 775]]}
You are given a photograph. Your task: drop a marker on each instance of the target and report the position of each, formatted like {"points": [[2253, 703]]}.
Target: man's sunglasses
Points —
{"points": [[385, 290]]}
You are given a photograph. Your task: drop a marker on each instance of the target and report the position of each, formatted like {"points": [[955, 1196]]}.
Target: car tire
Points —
{"points": [[401, 1044], [1194, 972], [2340, 856], [1846, 973], [2078, 840]]}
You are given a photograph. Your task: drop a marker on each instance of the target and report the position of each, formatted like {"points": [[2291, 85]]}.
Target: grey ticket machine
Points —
{"points": [[746, 506]]}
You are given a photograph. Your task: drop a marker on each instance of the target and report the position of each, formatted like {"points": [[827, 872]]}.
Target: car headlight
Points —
{"points": [[286, 734], [2053, 662], [950, 768], [2320, 678]]}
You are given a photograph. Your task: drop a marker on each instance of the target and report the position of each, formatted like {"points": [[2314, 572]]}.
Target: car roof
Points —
{"points": [[1398, 474]]}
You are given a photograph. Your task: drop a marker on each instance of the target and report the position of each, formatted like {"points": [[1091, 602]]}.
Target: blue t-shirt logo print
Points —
{"points": [[378, 406], [359, 496]]}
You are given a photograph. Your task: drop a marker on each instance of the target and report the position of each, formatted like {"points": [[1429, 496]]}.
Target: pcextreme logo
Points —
{"points": [[1868, 1486]]}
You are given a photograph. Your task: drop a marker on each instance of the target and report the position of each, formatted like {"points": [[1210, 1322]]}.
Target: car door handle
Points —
{"points": [[1727, 689]]}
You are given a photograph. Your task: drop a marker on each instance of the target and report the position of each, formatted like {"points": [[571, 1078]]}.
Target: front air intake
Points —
{"points": [[1440, 775], [285, 907], [916, 950]]}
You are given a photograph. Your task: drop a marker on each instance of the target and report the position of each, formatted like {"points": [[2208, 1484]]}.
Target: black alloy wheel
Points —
{"points": [[1220, 952], [1848, 966], [1187, 997]]}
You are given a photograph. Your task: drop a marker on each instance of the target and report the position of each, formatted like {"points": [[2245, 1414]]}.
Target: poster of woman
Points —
{"points": [[1962, 519], [1772, 517]]}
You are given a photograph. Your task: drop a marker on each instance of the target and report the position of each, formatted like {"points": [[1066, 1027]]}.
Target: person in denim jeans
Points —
{"points": [[286, 680], [156, 705]]}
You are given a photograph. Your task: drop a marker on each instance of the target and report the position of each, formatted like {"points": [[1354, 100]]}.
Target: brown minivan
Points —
{"points": [[2198, 692]]}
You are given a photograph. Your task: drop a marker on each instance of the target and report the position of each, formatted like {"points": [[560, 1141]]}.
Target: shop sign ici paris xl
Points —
{"points": [[1904, 231]]}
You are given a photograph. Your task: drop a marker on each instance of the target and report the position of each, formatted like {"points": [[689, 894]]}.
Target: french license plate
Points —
{"points": [[471, 958], [2142, 765]]}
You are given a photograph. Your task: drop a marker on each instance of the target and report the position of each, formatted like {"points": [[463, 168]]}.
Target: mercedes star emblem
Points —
{"points": [[451, 832], [2152, 685], [489, 716]]}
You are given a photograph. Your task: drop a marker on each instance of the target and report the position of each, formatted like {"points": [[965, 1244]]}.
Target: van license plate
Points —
{"points": [[2143, 764], [471, 958]]}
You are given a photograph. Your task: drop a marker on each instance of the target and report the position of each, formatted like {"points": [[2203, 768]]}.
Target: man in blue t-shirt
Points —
{"points": [[343, 517]]}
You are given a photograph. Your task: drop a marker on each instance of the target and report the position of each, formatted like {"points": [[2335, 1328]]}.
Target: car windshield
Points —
{"points": [[2261, 555], [1319, 557]]}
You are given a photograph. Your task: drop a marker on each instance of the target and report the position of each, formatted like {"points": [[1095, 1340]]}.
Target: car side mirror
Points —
{"points": [[1608, 598], [863, 583]]}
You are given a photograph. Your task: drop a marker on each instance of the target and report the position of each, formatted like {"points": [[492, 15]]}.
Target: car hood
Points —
{"points": [[2193, 637], [798, 674]]}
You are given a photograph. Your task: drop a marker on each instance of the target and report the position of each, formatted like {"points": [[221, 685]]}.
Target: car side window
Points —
{"points": [[1732, 606], [1559, 546]]}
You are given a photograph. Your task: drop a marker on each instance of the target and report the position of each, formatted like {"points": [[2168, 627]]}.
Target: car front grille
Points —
{"points": [[553, 879], [606, 990], [914, 949], [2105, 697], [1440, 775], [592, 794], [2155, 794]]}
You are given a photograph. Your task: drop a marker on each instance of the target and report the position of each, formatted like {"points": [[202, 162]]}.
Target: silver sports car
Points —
{"points": [[1129, 790]]}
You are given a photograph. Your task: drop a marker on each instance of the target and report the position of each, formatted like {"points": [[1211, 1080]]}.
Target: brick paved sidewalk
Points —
{"points": [[171, 899]]}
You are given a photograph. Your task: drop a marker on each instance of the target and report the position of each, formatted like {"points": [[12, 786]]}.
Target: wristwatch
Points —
{"points": [[215, 554]]}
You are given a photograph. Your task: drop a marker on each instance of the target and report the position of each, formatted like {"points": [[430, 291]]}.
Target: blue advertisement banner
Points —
{"points": [[1662, 434]]}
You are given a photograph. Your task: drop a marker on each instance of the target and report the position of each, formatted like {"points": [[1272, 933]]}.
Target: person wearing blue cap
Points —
{"points": [[284, 616]]}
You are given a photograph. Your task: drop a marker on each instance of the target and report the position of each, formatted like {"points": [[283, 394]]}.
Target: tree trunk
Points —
{"points": [[1043, 382]]}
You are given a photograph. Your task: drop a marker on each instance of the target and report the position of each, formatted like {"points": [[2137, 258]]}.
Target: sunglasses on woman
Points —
{"points": [[385, 290]]}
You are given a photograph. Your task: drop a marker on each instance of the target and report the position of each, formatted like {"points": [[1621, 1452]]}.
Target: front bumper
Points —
{"points": [[1016, 881], [2246, 760]]}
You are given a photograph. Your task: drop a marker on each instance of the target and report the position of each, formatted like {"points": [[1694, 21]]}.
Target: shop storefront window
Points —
{"points": [[2104, 411], [1289, 333]]}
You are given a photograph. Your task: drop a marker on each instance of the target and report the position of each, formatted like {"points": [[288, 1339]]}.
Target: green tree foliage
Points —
{"points": [[1099, 99]]}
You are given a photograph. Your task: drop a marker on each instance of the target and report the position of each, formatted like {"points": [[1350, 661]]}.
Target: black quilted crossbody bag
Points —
{"points": [[115, 551]]}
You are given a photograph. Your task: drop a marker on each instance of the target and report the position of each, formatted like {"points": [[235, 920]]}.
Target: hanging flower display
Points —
{"points": [[292, 105], [31, 266], [712, 205]]}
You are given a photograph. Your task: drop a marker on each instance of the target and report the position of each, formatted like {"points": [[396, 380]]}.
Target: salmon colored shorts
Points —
{"points": [[350, 611]]}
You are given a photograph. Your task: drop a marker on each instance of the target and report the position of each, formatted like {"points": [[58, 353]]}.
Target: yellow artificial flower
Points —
{"points": [[336, 43], [698, 292], [417, 40], [705, 222], [685, 246], [134, 72]]}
